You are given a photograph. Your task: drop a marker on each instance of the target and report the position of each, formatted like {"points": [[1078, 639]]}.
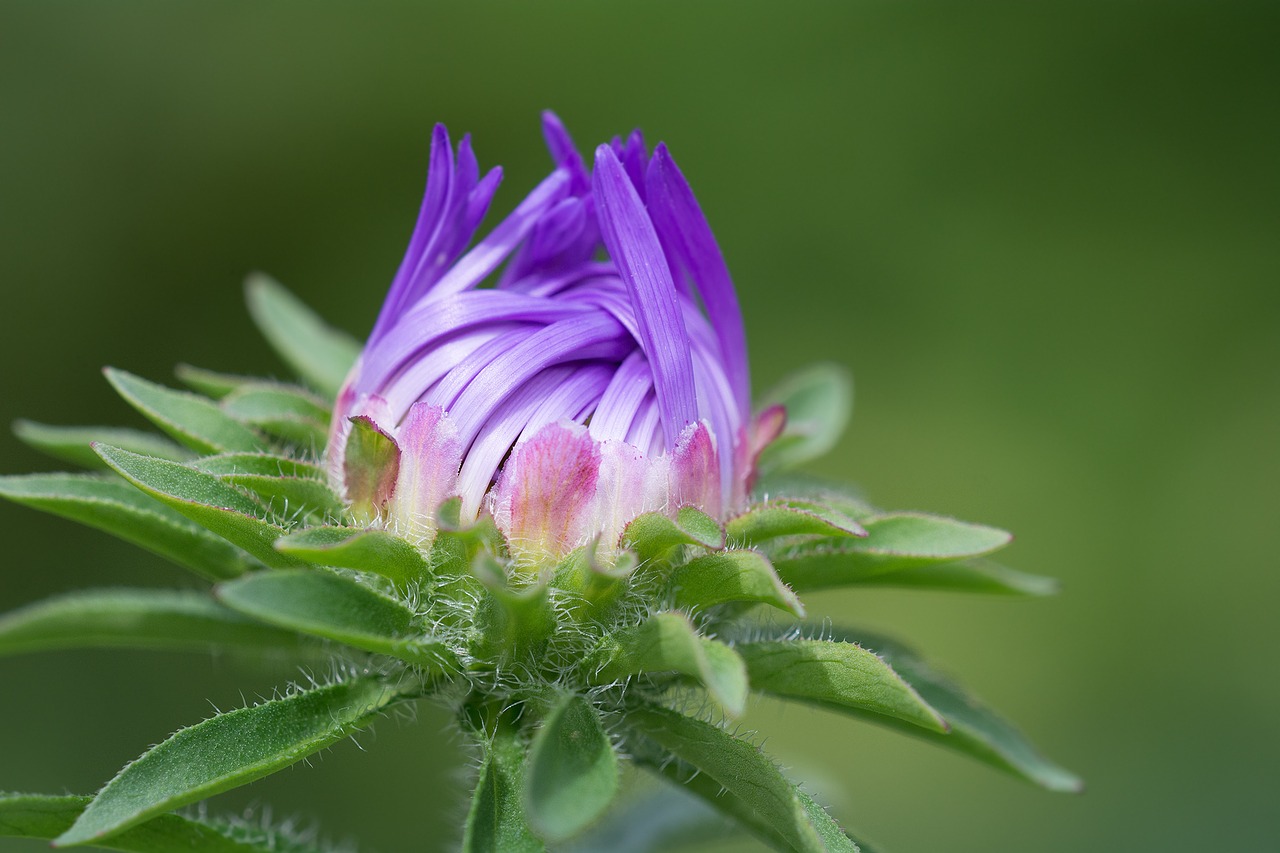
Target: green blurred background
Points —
{"points": [[1044, 239]]}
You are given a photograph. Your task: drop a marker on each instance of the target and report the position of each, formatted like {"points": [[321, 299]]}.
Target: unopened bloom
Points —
{"points": [[580, 364]]}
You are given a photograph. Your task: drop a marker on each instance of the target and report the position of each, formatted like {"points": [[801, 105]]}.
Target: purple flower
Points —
{"points": [[600, 373]]}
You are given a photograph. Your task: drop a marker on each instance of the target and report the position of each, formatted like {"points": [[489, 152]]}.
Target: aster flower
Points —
{"points": [[609, 353], [532, 498]]}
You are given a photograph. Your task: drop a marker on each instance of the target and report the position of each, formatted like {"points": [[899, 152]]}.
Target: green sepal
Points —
{"points": [[191, 420], [976, 730], [510, 620], [45, 817], [289, 488], [840, 676], [460, 541], [319, 354], [653, 534], [285, 412], [496, 821], [230, 750], [735, 777], [370, 467], [362, 549], [204, 499], [323, 604], [211, 383], [594, 584], [738, 576], [116, 507], [72, 443], [135, 619], [572, 775], [896, 545], [776, 519], [818, 401], [668, 642]]}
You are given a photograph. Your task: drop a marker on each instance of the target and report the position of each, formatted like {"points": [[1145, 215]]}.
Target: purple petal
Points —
{"points": [[473, 267], [620, 404], [683, 227], [587, 337], [564, 153], [633, 245]]}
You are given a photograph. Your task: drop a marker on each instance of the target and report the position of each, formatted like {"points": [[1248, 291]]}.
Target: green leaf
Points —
{"points": [[227, 751], [370, 550], [204, 499], [754, 791], [775, 519], [839, 496], [895, 545], [668, 642], [981, 576], [496, 821], [133, 618], [288, 413], [732, 576], [573, 772], [327, 605], [652, 534], [118, 508], [321, 355], [191, 420], [34, 816], [211, 383], [288, 487], [975, 729], [818, 401], [72, 443], [842, 676]]}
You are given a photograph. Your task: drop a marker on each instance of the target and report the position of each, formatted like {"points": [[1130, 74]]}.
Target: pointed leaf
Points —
{"points": [[572, 775], [71, 443], [775, 519], [227, 751], [895, 544], [668, 642], [510, 619], [366, 550], [496, 821], [211, 383], [758, 795], [327, 605], [288, 487], [732, 576], [975, 729], [652, 534], [192, 420], [204, 499], [841, 676], [981, 576], [120, 509], [133, 618], [318, 353], [288, 413], [44, 817], [818, 401]]}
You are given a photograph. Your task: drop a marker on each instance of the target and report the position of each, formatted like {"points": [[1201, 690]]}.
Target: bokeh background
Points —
{"points": [[1044, 238]]}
